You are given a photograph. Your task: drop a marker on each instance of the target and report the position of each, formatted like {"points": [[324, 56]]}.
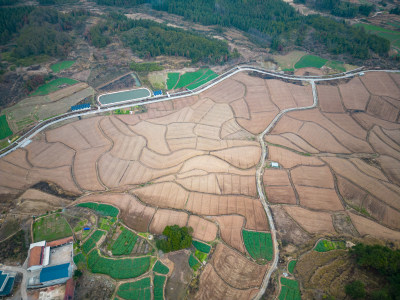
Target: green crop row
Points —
{"points": [[172, 80], [138, 290], [193, 262], [203, 247], [124, 243], [258, 244], [5, 130], [291, 266], [160, 268], [118, 268], [102, 209], [290, 290], [92, 241], [159, 287], [79, 259]]}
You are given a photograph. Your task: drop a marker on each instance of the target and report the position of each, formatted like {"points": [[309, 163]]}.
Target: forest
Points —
{"points": [[280, 24], [384, 262], [149, 39], [339, 8]]}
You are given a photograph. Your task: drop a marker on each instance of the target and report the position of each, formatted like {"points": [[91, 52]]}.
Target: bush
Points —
{"points": [[177, 238], [355, 289]]}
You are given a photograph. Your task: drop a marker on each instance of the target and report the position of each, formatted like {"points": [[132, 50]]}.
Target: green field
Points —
{"points": [[191, 80], [325, 245], [193, 262], [50, 228], [102, 209], [118, 268], [53, 86], [258, 244], [105, 224], [160, 268], [62, 65], [310, 61], [290, 290], [291, 266], [159, 287], [80, 225], [391, 35], [5, 130], [138, 290], [124, 243], [92, 241], [80, 260], [203, 247], [201, 256], [172, 80]]}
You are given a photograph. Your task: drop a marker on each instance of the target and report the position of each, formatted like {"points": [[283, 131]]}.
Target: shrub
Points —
{"points": [[355, 289], [177, 238]]}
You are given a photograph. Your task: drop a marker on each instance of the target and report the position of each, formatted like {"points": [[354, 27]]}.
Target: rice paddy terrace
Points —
{"points": [[193, 162]]}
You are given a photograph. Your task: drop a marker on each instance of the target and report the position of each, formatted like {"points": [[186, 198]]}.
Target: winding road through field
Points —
{"points": [[25, 139]]}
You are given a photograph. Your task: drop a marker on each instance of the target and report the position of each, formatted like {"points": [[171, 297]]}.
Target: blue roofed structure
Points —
{"points": [[8, 287], [54, 273], [157, 93], [6, 283]]}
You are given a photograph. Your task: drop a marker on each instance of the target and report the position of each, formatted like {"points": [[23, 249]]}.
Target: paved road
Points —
{"points": [[311, 79], [24, 278]]}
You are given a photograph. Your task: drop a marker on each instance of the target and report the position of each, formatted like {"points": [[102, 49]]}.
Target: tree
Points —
{"points": [[355, 289], [177, 238]]}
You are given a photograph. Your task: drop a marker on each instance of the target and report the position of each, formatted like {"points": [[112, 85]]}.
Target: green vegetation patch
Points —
{"points": [[193, 262], [5, 130], [50, 228], [291, 266], [62, 65], [146, 67], [336, 65], [203, 247], [118, 268], [80, 260], [160, 268], [258, 244], [80, 225], [325, 245], [92, 241], [105, 224], [172, 80], [53, 86], [159, 287], [200, 255], [188, 78], [138, 290], [124, 243], [310, 61], [290, 290], [102, 209]]}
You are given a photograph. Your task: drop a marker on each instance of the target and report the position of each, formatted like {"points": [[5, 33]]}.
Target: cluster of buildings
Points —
{"points": [[48, 264]]}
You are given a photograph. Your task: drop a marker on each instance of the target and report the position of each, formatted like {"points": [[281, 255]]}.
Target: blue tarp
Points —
{"points": [[80, 106], [86, 228], [9, 285], [157, 93], [55, 272]]}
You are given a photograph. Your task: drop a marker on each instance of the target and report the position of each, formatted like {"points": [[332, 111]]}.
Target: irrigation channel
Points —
{"points": [[25, 139]]}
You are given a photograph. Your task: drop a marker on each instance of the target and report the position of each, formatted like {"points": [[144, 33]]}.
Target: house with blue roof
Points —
{"points": [[6, 283], [55, 274]]}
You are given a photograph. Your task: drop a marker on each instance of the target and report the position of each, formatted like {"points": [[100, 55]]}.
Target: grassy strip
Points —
{"points": [[50, 228], [172, 80], [310, 61], [5, 130], [124, 243], [160, 268], [189, 77], [159, 287], [118, 268], [102, 209], [193, 262], [203, 247], [62, 65], [53, 86], [325, 245], [138, 290], [291, 266]]}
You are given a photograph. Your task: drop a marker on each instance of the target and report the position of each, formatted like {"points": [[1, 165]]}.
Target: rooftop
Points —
{"points": [[60, 242], [35, 256], [55, 272]]}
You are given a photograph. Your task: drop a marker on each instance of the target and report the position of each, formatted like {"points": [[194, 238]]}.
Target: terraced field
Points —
{"points": [[192, 162]]}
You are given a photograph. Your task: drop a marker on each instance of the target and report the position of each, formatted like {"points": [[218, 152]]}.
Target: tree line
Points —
{"points": [[339, 8]]}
